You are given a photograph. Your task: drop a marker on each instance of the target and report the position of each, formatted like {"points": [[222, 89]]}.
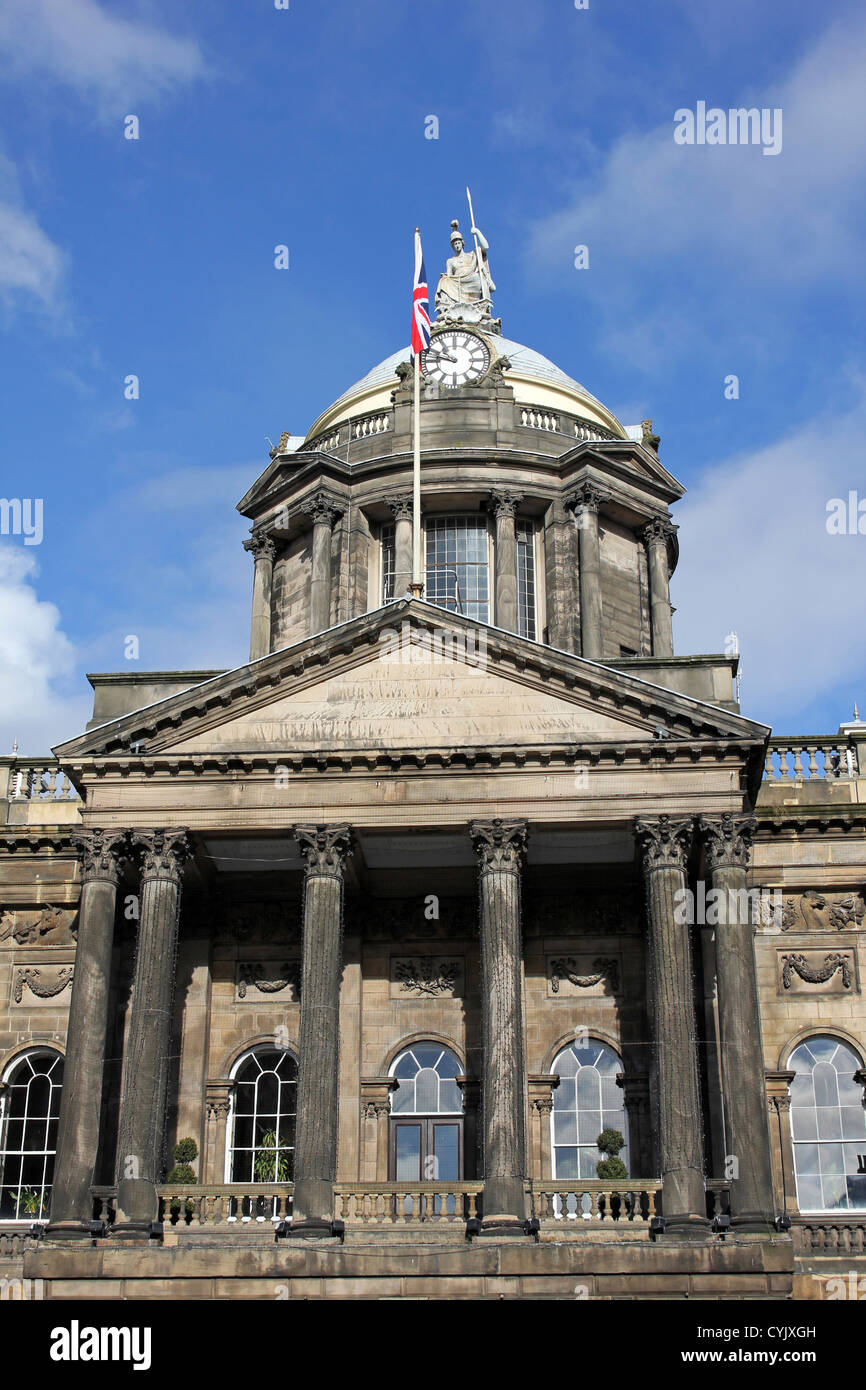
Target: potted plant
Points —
{"points": [[183, 1153], [610, 1141]]}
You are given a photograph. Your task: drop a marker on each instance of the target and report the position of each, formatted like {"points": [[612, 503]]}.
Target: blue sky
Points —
{"points": [[306, 127]]}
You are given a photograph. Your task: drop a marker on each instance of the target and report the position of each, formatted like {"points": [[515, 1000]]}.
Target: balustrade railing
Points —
{"points": [[35, 779], [627, 1199], [831, 1235], [407, 1203], [809, 758], [212, 1204]]}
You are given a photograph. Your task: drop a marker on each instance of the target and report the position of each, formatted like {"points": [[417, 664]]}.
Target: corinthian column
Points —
{"points": [[325, 849], [323, 510], [665, 844], [656, 535], [727, 844], [100, 855], [145, 1072], [263, 550], [585, 503], [503, 506], [500, 847], [401, 506]]}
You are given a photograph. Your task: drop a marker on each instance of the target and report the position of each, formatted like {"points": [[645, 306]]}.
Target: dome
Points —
{"points": [[534, 379]]}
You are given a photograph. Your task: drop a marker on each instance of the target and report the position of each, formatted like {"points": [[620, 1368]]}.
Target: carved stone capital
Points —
{"points": [[586, 497], [218, 1099], [261, 546], [100, 854], [727, 839], [401, 506], [658, 528], [778, 1085], [664, 840], [499, 844], [325, 848], [322, 509], [164, 852], [504, 503]]}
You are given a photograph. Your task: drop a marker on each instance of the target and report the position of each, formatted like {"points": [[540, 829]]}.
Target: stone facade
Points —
{"points": [[400, 829]]}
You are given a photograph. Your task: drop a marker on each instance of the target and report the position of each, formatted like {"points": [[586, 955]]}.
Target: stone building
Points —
{"points": [[396, 919]]}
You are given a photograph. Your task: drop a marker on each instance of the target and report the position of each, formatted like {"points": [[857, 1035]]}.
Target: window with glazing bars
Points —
{"points": [[526, 580], [457, 565]]}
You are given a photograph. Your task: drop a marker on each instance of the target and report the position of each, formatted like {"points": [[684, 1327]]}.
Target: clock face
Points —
{"points": [[455, 358]]}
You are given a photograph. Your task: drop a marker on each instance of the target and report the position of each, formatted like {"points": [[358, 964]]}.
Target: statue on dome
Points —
{"points": [[464, 292]]}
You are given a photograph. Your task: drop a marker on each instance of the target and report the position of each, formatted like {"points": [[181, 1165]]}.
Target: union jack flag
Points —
{"points": [[420, 302]]}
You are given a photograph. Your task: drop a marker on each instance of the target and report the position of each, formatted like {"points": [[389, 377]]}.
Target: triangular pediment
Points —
{"points": [[411, 676]]}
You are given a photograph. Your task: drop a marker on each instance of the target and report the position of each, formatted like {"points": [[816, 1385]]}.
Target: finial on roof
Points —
{"points": [[856, 712], [648, 439]]}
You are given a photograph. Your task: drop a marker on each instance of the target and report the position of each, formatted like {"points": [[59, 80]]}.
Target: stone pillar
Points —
{"points": [[262, 549], [376, 1112], [635, 1095], [401, 506], [100, 853], [472, 1156], [324, 511], [500, 846], [325, 849], [585, 503], [656, 536], [541, 1086], [218, 1104], [665, 844], [778, 1084], [141, 1125], [503, 506], [727, 845]]}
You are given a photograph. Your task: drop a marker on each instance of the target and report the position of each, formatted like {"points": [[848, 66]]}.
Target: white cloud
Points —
{"points": [[30, 263], [80, 44], [717, 216], [755, 556], [36, 658]]}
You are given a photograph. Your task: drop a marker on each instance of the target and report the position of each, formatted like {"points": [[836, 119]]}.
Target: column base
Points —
{"points": [[753, 1222], [132, 1232], [504, 1206], [692, 1227], [68, 1230], [509, 1227], [312, 1230]]}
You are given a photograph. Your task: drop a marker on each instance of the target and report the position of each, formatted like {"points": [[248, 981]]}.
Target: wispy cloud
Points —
{"points": [[102, 56], [756, 556], [31, 264], [719, 217]]}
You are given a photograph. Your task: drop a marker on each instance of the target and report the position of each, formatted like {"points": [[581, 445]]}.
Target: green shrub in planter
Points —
{"points": [[185, 1151], [610, 1141]]}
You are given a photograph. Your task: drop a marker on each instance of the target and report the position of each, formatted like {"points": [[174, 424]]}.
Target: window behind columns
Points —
{"points": [[586, 1101], [389, 548], [828, 1126], [29, 1111], [264, 1105], [526, 579], [427, 1116], [458, 565]]}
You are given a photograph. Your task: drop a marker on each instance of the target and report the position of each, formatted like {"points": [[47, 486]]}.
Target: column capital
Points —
{"points": [[586, 497], [778, 1085], [322, 508], [658, 528], [218, 1098], [664, 840], [401, 506], [325, 848], [727, 839], [261, 546], [504, 503], [499, 844], [100, 854], [164, 852]]}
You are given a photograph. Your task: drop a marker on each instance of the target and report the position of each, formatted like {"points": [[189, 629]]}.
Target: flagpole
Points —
{"points": [[417, 585]]}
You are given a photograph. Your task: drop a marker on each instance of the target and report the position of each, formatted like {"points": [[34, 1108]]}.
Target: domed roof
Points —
{"points": [[535, 379]]}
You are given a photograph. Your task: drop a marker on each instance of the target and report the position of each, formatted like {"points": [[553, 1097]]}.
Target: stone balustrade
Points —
{"points": [[393, 1203], [831, 1235], [809, 758], [627, 1199], [212, 1205]]}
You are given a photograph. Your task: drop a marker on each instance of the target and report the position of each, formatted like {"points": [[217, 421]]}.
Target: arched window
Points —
{"points": [[586, 1101], [426, 1115], [29, 1111], [828, 1126], [264, 1106]]}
